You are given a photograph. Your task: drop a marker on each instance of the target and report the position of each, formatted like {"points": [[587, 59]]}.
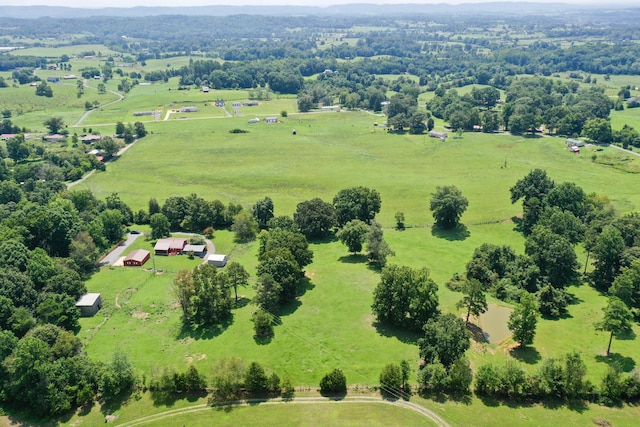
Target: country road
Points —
{"points": [[86, 113], [427, 413]]}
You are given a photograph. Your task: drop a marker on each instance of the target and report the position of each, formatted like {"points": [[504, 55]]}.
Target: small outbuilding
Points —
{"points": [[219, 260], [137, 258], [437, 134], [171, 246], [271, 120], [574, 143], [89, 304]]}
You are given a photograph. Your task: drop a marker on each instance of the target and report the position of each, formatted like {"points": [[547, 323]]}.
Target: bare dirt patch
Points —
{"points": [[110, 418], [142, 315]]}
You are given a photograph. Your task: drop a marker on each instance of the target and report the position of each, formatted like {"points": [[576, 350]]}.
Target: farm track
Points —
{"points": [[427, 413], [86, 114]]}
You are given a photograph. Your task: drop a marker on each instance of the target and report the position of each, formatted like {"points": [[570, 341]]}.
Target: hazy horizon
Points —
{"points": [[98, 4]]}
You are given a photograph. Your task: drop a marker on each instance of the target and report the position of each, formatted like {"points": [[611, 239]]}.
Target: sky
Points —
{"points": [[131, 3]]}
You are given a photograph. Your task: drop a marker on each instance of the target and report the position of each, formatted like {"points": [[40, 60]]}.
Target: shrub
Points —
{"points": [[262, 323], [236, 130], [333, 383]]}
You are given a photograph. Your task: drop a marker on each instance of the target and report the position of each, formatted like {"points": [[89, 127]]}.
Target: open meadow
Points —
{"points": [[331, 324]]}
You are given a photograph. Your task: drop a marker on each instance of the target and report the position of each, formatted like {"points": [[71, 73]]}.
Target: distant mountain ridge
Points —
{"points": [[359, 9]]}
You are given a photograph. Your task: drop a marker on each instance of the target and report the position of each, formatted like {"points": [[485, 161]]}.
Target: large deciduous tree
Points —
{"points": [[608, 250], [352, 235], [315, 218], [617, 319], [263, 211], [356, 203], [446, 338], [160, 226], [553, 254], [523, 320], [212, 301], [244, 226], [448, 204], [405, 297]]}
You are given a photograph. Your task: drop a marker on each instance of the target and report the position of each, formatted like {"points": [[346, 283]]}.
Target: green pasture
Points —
{"points": [[331, 325], [30, 111], [334, 150], [70, 50], [628, 116]]}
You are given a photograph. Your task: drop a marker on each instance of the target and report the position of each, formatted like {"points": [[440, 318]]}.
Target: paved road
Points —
{"points": [[115, 254]]}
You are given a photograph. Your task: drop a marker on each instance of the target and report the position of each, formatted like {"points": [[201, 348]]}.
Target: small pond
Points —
{"points": [[494, 323]]}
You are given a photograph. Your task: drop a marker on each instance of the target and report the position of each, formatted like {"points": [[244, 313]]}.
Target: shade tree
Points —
{"points": [[353, 234], [356, 203], [445, 340], [474, 300], [617, 319], [315, 218], [447, 205], [405, 297], [523, 320]]}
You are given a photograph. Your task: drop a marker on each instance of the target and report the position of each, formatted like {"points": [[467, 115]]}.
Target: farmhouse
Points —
{"points": [[70, 77], [205, 89], [271, 120], [251, 103], [437, 134], [90, 139], [169, 246], [89, 304], [218, 260], [189, 109], [574, 143], [54, 138], [137, 258], [8, 136], [198, 250]]}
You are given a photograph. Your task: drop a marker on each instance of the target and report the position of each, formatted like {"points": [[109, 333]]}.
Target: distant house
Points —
{"points": [[217, 260], [437, 134], [198, 250], [144, 113], [89, 304], [205, 89], [330, 108], [271, 120], [137, 258], [251, 103], [574, 143], [8, 136], [189, 109], [90, 139], [53, 79], [54, 138], [70, 77], [256, 120], [171, 246]]}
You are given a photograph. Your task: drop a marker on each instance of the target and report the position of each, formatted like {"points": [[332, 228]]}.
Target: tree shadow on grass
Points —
{"points": [[242, 302], [263, 340], [321, 240], [460, 232], [477, 334], [353, 259], [401, 334], [203, 332], [116, 403], [624, 363], [528, 355], [441, 397], [168, 399]]}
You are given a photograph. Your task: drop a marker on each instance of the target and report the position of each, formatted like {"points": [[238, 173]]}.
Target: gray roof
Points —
{"points": [[87, 300]]}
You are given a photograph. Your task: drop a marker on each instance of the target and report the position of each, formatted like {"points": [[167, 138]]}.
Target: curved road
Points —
{"points": [[427, 413], [84, 116]]}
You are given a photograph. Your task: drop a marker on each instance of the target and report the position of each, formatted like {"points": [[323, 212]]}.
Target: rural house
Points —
{"points": [[437, 134], [89, 304], [170, 246], [137, 258], [198, 250], [271, 120]]}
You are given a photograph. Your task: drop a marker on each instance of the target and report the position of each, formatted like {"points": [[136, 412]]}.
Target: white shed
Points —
{"points": [[219, 260], [89, 304]]}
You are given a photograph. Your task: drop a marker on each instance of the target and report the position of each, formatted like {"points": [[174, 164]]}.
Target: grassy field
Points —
{"points": [[332, 325]]}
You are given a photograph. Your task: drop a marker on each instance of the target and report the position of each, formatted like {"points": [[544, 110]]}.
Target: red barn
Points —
{"points": [[137, 258]]}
